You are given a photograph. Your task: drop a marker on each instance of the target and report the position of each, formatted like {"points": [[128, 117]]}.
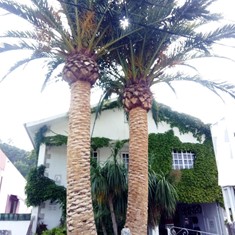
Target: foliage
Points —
{"points": [[22, 160], [99, 142], [40, 188], [55, 231], [41, 227], [162, 197], [164, 51], [109, 188], [197, 185], [55, 140], [39, 136], [163, 113], [58, 140], [185, 123]]}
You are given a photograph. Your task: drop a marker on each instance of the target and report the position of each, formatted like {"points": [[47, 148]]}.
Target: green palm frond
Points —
{"points": [[166, 195], [26, 34], [223, 32], [5, 47], [23, 11], [52, 65], [25, 61], [214, 86]]}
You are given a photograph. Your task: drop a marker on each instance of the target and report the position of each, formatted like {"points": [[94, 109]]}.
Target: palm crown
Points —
{"points": [[63, 29], [158, 52]]}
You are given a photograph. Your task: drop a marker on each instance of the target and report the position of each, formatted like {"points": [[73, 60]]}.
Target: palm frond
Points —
{"points": [[34, 56], [5, 47], [52, 64], [213, 86], [16, 66], [26, 34], [21, 10], [104, 97], [223, 32]]}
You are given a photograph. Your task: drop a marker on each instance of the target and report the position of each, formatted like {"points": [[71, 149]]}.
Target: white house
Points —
{"points": [[14, 214], [223, 135], [111, 124]]}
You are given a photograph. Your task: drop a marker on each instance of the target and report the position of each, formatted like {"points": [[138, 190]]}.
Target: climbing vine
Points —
{"points": [[185, 123], [40, 188], [197, 185]]}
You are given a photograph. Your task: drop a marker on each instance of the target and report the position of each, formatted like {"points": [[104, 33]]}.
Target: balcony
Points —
{"points": [[15, 217]]}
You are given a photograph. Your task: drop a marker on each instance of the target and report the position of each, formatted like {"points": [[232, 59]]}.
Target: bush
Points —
{"points": [[55, 231]]}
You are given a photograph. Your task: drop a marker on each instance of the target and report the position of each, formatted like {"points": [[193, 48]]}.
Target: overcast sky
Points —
{"points": [[21, 99]]}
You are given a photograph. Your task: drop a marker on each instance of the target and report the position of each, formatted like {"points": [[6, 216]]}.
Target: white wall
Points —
{"points": [[224, 148], [13, 183], [111, 124], [55, 162], [16, 227]]}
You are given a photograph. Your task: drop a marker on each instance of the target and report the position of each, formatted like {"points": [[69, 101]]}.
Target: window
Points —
{"points": [[95, 155], [125, 159], [0, 182], [182, 160], [12, 204]]}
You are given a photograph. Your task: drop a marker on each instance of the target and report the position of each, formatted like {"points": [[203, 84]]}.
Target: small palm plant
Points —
{"points": [[109, 184]]}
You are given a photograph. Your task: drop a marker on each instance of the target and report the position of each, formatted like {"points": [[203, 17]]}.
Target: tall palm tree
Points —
{"points": [[155, 55], [74, 33]]}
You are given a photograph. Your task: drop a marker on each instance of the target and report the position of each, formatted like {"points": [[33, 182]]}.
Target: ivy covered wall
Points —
{"points": [[197, 185]]}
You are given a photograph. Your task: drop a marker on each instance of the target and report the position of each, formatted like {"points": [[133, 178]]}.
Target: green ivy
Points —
{"points": [[99, 142], [40, 188], [56, 140], [197, 185], [39, 137], [185, 123]]}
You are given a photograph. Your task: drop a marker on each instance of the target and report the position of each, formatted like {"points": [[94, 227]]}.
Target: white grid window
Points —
{"points": [[125, 159], [182, 160]]}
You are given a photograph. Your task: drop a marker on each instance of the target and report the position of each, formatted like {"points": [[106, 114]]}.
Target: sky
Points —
{"points": [[22, 101]]}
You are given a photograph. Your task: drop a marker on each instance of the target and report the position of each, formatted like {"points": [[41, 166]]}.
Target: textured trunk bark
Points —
{"points": [[113, 217], [80, 218], [137, 210]]}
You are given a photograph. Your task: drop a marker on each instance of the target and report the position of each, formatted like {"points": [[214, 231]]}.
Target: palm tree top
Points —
{"points": [[63, 28], [160, 52]]}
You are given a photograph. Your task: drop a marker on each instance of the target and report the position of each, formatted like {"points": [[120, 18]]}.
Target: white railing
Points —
{"points": [[174, 230]]}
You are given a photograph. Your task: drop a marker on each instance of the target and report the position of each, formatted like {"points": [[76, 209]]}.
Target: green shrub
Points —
{"points": [[55, 231]]}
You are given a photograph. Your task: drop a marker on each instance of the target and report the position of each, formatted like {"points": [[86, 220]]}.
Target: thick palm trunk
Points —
{"points": [[137, 208], [80, 218]]}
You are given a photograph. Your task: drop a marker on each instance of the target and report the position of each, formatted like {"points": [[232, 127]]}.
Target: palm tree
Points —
{"points": [[162, 198], [109, 184], [155, 55], [74, 34]]}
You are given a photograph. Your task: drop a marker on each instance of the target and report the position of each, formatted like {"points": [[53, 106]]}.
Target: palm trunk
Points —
{"points": [[80, 217], [137, 208], [113, 217], [103, 228]]}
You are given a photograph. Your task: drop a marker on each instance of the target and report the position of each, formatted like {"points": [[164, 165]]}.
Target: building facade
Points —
{"points": [[113, 124]]}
